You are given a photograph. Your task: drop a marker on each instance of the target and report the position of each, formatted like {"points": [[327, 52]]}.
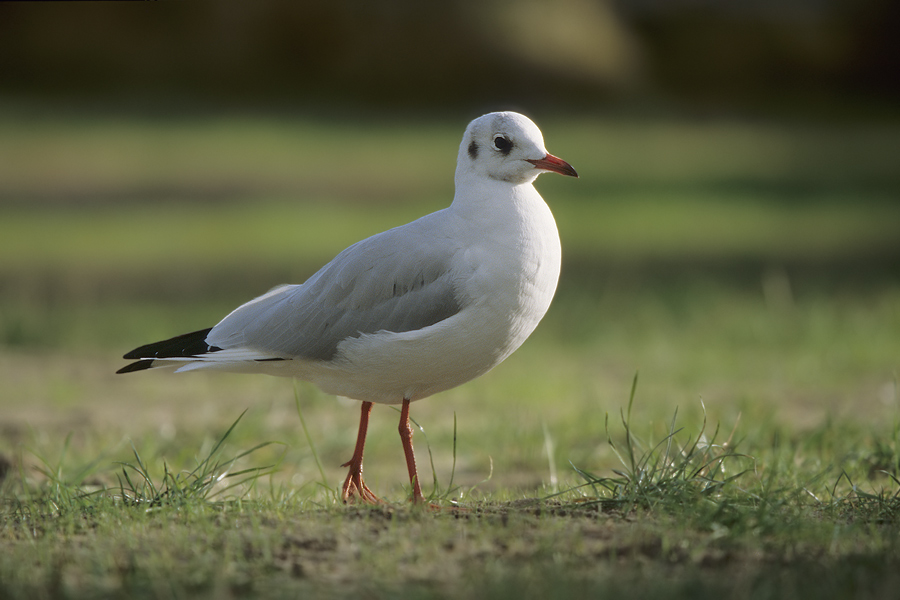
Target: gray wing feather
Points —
{"points": [[394, 281]]}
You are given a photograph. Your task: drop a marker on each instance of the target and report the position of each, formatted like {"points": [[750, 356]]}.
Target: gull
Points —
{"points": [[414, 310]]}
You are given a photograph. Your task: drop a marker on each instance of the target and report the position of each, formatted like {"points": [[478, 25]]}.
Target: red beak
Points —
{"points": [[554, 164]]}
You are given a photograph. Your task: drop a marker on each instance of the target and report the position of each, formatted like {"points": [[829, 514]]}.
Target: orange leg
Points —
{"points": [[354, 487], [406, 439]]}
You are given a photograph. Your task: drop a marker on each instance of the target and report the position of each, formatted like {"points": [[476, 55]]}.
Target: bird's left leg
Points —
{"points": [[406, 439]]}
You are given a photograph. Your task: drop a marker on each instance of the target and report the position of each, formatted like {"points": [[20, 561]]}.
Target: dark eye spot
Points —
{"points": [[502, 144], [473, 150]]}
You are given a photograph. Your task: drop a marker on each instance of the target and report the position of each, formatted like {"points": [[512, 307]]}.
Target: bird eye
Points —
{"points": [[502, 144]]}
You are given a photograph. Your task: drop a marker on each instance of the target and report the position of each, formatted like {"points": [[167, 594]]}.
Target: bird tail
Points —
{"points": [[191, 351]]}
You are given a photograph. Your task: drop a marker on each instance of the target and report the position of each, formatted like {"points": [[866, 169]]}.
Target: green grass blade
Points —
{"points": [[309, 440]]}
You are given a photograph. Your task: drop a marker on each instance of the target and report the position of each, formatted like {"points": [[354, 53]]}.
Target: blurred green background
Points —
{"points": [[809, 55], [735, 233]]}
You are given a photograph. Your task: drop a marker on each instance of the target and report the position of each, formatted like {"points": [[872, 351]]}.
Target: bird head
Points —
{"points": [[507, 146]]}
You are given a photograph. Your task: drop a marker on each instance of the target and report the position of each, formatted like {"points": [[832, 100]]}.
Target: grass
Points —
{"points": [[701, 518], [664, 474], [210, 478], [748, 272]]}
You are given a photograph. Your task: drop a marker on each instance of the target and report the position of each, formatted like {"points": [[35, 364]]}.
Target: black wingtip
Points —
{"points": [[135, 366], [181, 346], [188, 344]]}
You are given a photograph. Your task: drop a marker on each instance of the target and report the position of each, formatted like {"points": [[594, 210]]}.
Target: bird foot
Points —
{"points": [[355, 489]]}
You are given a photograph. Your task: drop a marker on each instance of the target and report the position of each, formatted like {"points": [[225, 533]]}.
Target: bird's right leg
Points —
{"points": [[354, 487]]}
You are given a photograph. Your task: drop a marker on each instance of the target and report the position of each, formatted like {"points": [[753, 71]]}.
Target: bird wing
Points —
{"points": [[397, 281]]}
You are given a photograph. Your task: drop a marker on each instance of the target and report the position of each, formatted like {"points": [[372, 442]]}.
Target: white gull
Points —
{"points": [[414, 310]]}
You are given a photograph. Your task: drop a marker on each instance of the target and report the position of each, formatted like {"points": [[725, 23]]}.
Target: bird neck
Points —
{"points": [[480, 199]]}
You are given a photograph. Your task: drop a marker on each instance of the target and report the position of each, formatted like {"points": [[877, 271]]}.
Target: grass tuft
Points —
{"points": [[877, 507], [210, 479], [58, 493], [665, 474]]}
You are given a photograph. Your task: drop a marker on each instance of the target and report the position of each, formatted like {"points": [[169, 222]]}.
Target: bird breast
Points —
{"points": [[515, 268]]}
